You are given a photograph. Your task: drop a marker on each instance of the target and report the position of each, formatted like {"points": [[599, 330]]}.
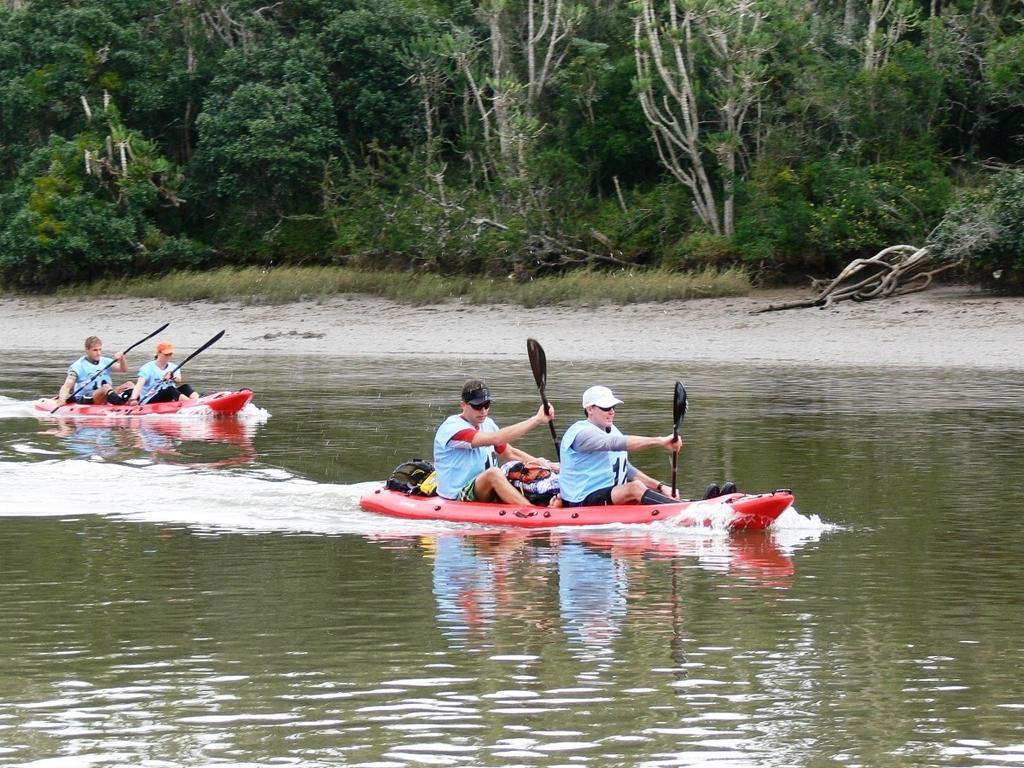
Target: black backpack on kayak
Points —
{"points": [[414, 478]]}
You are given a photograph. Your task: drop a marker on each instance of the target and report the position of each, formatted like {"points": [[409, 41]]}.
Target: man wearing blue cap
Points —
{"points": [[468, 444]]}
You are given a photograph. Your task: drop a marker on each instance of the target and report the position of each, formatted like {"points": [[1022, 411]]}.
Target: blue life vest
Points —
{"points": [[455, 465], [153, 379], [584, 472], [85, 369]]}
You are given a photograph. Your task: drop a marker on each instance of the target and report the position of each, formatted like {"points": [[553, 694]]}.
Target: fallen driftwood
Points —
{"points": [[893, 271]]}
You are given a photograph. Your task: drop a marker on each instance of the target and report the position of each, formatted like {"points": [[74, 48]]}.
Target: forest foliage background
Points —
{"points": [[507, 137]]}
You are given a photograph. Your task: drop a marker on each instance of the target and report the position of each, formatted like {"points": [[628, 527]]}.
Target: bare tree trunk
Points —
{"points": [[874, 15], [618, 194], [475, 95], [668, 95], [218, 23], [732, 34], [541, 32], [464, 52], [531, 45], [888, 22], [850, 19], [429, 77], [549, 29], [428, 124], [674, 118], [499, 82]]}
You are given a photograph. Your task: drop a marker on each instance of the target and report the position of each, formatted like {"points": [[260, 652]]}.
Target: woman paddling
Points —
{"points": [[159, 381]]}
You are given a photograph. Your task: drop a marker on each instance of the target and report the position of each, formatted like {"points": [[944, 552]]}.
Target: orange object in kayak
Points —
{"points": [[734, 511], [218, 402]]}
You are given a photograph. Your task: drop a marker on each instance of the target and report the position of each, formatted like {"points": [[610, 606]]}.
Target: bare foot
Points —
{"points": [[556, 501]]}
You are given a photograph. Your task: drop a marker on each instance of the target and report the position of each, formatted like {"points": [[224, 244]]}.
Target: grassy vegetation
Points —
{"points": [[288, 284]]}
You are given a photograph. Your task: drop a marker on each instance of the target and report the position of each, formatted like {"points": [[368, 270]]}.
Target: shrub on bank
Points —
{"points": [[985, 230]]}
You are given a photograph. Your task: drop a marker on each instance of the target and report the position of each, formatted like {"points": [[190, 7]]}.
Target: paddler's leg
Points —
{"points": [[120, 394], [653, 497], [117, 398], [165, 395], [631, 493], [99, 397]]}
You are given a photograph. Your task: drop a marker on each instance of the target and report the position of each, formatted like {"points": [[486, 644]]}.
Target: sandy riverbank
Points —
{"points": [[949, 326]]}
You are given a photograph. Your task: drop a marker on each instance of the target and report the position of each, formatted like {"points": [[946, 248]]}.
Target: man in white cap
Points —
{"points": [[468, 444], [595, 458]]}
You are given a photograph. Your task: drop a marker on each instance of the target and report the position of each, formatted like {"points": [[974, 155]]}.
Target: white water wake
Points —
{"points": [[162, 494]]}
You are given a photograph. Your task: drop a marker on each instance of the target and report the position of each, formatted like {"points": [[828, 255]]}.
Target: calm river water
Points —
{"points": [[190, 592]]}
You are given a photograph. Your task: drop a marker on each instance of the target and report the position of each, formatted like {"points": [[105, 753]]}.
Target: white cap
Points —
{"points": [[601, 397]]}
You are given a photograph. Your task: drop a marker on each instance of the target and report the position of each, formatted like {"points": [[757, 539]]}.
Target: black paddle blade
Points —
{"points": [[538, 362], [678, 406]]}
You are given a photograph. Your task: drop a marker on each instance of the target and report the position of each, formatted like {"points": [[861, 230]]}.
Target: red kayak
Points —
{"points": [[734, 511], [218, 402]]}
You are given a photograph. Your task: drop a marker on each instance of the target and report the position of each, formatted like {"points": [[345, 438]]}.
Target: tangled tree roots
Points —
{"points": [[893, 271]]}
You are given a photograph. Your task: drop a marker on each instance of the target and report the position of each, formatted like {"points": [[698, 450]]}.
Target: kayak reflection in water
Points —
{"points": [[89, 441], [468, 443], [159, 381], [197, 442], [595, 458]]}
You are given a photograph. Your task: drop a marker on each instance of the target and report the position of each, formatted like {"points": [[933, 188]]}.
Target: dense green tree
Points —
{"points": [[371, 81], [267, 131], [600, 122], [88, 207]]}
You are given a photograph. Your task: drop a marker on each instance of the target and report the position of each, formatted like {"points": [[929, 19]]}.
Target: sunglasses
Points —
{"points": [[484, 404], [609, 409]]}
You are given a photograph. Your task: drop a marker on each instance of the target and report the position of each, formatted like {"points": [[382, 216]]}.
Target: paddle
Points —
{"points": [[678, 411], [539, 364], [93, 377], [181, 365]]}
